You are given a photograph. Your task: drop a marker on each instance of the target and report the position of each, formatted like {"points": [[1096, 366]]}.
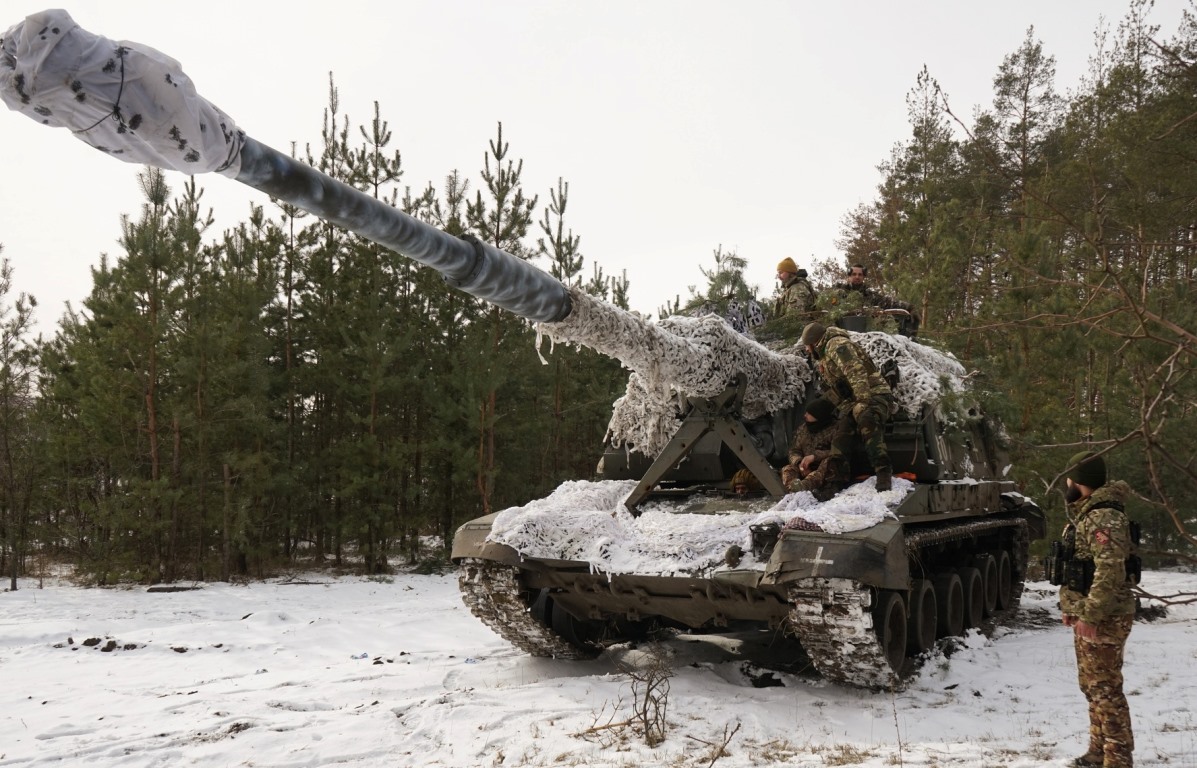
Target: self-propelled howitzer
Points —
{"points": [[658, 537]]}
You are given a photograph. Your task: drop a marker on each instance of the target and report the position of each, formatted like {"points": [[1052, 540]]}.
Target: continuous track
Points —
{"points": [[834, 622], [492, 592]]}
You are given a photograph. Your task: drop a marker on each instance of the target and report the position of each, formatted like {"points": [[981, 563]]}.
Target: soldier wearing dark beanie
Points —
{"points": [[1099, 606], [1087, 469], [810, 467], [822, 410]]}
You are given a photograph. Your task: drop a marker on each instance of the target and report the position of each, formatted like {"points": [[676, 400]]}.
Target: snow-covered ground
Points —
{"points": [[396, 672]]}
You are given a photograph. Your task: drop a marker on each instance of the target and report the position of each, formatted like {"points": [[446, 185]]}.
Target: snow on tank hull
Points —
{"points": [[861, 604]]}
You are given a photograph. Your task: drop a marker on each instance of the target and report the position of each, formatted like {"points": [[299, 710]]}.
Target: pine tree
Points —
{"points": [[501, 220], [21, 447], [583, 382], [725, 284], [109, 379]]}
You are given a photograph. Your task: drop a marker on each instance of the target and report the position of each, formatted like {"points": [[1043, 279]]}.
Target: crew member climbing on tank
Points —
{"points": [[861, 395], [810, 467]]}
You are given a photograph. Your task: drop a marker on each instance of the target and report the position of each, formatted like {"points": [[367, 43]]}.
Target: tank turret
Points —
{"points": [[658, 537]]}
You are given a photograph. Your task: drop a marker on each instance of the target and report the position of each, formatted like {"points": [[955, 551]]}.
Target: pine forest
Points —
{"points": [[282, 393]]}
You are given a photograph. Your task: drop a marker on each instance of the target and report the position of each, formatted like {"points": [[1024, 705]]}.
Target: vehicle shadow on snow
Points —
{"points": [[752, 658], [748, 658]]}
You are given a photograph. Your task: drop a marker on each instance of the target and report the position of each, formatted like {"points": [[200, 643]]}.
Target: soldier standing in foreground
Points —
{"points": [[797, 293], [1096, 601], [861, 395]]}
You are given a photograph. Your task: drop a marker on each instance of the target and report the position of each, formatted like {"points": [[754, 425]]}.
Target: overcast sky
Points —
{"points": [[679, 126]]}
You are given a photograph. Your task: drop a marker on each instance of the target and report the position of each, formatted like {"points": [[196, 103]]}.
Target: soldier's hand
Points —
{"points": [[1085, 629], [805, 465]]}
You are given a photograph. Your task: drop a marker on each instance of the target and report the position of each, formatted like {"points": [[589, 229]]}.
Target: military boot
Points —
{"points": [[1089, 760], [885, 479]]}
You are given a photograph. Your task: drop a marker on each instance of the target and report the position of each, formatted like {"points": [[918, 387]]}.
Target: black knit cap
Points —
{"points": [[1087, 469], [821, 408]]}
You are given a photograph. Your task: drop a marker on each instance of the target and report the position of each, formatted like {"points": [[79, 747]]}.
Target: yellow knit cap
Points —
{"points": [[787, 265]]}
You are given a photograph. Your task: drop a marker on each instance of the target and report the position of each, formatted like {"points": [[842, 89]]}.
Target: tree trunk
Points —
{"points": [[225, 540]]}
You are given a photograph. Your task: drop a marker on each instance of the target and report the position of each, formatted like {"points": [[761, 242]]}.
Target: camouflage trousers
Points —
{"points": [[863, 419], [1099, 669]]}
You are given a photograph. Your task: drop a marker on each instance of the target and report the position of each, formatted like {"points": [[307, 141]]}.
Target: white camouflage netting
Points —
{"points": [[925, 371], [642, 420], [587, 522], [673, 359], [125, 99], [682, 356]]}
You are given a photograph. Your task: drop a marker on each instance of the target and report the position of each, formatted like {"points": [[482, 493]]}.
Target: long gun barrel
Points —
{"points": [[136, 104], [467, 263]]}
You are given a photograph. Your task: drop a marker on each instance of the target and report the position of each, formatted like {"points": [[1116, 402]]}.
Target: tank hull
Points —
{"points": [[824, 589]]}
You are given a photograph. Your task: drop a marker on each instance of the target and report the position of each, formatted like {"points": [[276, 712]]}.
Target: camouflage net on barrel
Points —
{"points": [[683, 356], [673, 359]]}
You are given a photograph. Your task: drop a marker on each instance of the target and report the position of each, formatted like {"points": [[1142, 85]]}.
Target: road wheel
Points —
{"points": [[987, 564], [1005, 580], [889, 622], [973, 589], [949, 598], [920, 631], [577, 633]]}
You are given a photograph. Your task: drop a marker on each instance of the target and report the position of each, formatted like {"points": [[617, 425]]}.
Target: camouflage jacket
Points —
{"points": [[807, 442], [848, 373], [1103, 536], [797, 295], [875, 298]]}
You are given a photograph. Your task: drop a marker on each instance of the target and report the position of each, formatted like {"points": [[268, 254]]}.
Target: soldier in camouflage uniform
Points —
{"points": [[908, 323], [809, 468], [863, 398], [797, 293], [1101, 617]]}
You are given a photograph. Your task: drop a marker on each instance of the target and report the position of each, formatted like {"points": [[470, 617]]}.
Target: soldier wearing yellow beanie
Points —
{"points": [[797, 294]]}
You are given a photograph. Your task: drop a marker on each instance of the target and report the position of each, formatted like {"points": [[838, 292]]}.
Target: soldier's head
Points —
{"points": [[857, 274], [786, 268], [812, 336], [744, 482], [1086, 473], [819, 412]]}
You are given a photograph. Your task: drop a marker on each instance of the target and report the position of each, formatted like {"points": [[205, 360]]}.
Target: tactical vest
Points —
{"points": [[1064, 568]]}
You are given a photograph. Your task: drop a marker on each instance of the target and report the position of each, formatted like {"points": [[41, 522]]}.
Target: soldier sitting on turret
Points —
{"points": [[797, 293], [810, 467], [863, 398], [908, 321]]}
